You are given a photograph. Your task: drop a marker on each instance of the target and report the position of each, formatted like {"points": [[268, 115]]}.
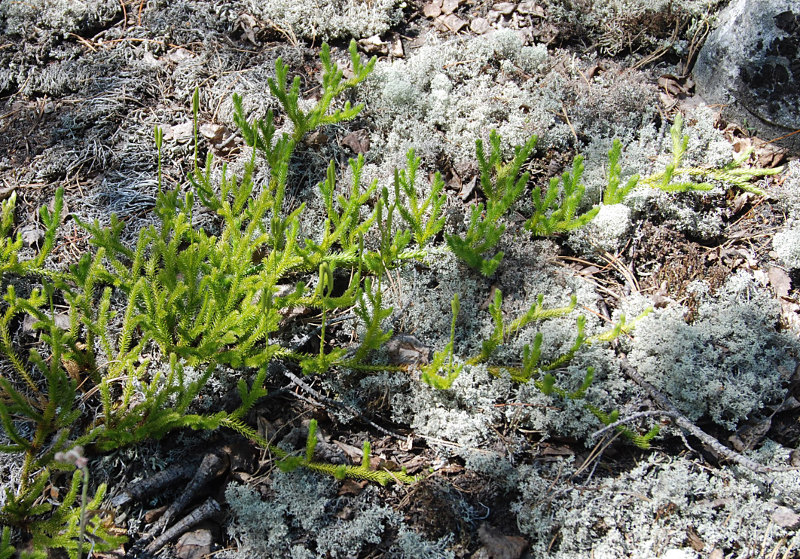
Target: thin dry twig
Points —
{"points": [[658, 53], [634, 417], [594, 457], [124, 15], [566, 118], [784, 136], [698, 39], [325, 401], [83, 41]]}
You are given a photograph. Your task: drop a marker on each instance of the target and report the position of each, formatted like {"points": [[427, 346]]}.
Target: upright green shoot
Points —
{"points": [[613, 193], [555, 211], [372, 313], [503, 331], [502, 184], [444, 360], [332, 86], [417, 212]]}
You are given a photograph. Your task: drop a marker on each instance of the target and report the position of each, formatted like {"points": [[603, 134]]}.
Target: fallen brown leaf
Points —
{"points": [[786, 518], [505, 8], [749, 436], [672, 85], [374, 46], [351, 487], [780, 281], [450, 6], [530, 8], [479, 25], [358, 141], [212, 132], [353, 452], [194, 545], [31, 234], [694, 539], [397, 48], [180, 133]]}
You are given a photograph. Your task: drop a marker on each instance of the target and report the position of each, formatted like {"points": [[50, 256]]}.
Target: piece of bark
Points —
{"points": [[212, 466], [142, 489], [204, 512]]}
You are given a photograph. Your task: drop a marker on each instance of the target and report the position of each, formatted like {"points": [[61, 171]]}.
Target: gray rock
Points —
{"points": [[194, 545], [751, 64], [786, 518]]}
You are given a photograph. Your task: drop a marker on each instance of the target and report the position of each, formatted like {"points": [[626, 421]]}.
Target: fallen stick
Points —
{"points": [[669, 410]]}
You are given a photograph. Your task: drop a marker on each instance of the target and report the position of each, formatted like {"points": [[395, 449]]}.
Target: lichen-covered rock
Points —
{"points": [[750, 62]]}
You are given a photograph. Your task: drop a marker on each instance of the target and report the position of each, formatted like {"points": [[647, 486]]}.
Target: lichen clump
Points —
{"points": [[728, 363], [336, 19]]}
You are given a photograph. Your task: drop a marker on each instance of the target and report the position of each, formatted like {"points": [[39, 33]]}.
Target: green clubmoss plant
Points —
{"points": [[7, 550], [343, 227], [393, 242], [503, 331], [10, 246], [41, 392], [614, 194], [372, 313], [557, 209], [442, 371], [502, 185], [67, 523], [675, 178], [443, 361], [288, 463], [192, 300], [76, 458], [425, 218]]}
